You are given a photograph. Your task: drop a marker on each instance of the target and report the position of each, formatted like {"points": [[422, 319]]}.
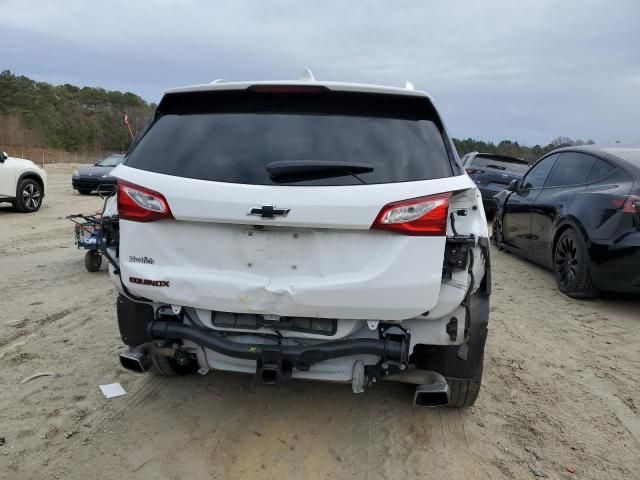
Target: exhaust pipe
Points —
{"points": [[434, 393], [134, 360]]}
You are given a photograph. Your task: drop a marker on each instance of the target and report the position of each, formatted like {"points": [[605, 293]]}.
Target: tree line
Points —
{"points": [[66, 117]]}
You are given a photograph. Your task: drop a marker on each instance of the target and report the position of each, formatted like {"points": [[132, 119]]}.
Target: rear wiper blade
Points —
{"points": [[300, 167], [497, 167]]}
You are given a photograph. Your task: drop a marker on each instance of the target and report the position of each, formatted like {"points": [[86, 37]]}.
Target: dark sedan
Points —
{"points": [[492, 173], [577, 212], [88, 179]]}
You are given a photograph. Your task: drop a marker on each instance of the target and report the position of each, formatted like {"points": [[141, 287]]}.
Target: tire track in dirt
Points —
{"points": [[22, 330]]}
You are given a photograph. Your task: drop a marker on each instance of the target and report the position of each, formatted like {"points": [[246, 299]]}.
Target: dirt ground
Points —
{"points": [[561, 388]]}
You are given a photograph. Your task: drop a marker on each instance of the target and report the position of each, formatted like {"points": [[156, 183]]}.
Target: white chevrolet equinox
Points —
{"points": [[302, 230]]}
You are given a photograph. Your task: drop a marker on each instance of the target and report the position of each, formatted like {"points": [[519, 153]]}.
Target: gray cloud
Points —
{"points": [[526, 70]]}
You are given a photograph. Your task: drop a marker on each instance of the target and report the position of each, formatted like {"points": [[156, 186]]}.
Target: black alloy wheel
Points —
{"points": [[29, 197], [571, 266]]}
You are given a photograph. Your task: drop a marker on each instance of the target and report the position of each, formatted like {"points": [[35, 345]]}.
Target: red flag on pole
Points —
{"points": [[126, 121]]}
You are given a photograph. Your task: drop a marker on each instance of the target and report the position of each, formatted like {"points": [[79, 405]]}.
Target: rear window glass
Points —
{"points": [[572, 169], [235, 139], [501, 164], [600, 170]]}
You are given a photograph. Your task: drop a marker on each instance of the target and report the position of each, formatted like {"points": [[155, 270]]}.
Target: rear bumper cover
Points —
{"points": [[83, 183], [616, 267]]}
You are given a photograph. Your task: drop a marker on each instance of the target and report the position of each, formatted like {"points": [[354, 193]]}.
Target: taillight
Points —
{"points": [[629, 204], [423, 216], [471, 171], [140, 204], [632, 205]]}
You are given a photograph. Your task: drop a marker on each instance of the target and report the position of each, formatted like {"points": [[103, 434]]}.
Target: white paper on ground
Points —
{"points": [[112, 390]]}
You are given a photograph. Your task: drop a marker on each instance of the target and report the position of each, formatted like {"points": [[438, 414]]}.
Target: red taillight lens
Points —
{"points": [[423, 216], [630, 204], [140, 204], [471, 171]]}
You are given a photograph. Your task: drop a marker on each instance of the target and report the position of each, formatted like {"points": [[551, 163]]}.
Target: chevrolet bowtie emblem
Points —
{"points": [[269, 211]]}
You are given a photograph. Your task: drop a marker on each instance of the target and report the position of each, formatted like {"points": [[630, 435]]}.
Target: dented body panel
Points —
{"points": [[322, 260]]}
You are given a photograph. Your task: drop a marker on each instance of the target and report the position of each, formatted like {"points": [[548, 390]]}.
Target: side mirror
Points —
{"points": [[3, 156], [513, 186]]}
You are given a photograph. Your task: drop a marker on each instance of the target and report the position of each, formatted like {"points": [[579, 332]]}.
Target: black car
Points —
{"points": [[492, 173], [87, 179], [577, 211]]}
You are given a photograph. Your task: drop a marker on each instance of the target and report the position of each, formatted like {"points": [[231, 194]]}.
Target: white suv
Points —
{"points": [[302, 229], [22, 183]]}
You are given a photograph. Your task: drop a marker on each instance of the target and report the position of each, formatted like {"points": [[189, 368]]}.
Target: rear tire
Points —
{"points": [[29, 196], [84, 192], [463, 376], [463, 392], [169, 367], [92, 260], [571, 266]]}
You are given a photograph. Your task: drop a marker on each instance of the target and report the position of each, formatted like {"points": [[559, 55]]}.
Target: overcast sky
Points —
{"points": [[522, 70]]}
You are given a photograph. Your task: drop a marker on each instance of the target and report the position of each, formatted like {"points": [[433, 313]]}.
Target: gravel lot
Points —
{"points": [[561, 389]]}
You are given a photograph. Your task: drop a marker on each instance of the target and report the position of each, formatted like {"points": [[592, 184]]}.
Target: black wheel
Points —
{"points": [[171, 366], [464, 375], [29, 196], [92, 260], [463, 392], [84, 192], [571, 266], [496, 237]]}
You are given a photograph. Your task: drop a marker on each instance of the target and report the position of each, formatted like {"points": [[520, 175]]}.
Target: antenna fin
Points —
{"points": [[307, 75]]}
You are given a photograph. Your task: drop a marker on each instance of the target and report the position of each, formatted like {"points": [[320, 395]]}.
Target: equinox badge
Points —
{"points": [[269, 211]]}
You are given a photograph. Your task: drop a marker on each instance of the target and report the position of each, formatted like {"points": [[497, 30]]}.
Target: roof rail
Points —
{"points": [[220, 80], [307, 75]]}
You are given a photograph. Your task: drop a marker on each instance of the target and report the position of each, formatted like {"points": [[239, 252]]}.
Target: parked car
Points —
{"points": [[577, 211], [22, 183], [492, 173], [303, 229], [88, 179]]}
